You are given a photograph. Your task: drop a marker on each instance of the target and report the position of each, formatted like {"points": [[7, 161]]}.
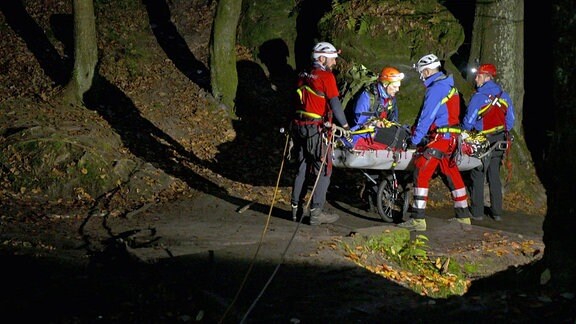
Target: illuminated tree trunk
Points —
{"points": [[85, 51], [223, 52], [498, 38]]}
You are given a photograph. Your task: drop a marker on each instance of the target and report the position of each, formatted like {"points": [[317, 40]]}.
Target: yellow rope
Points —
{"points": [[330, 146], [261, 237]]}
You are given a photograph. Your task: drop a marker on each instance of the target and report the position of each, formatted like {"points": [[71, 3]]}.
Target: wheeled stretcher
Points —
{"points": [[394, 175]]}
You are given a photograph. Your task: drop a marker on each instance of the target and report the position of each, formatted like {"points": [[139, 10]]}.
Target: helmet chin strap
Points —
{"points": [[422, 77]]}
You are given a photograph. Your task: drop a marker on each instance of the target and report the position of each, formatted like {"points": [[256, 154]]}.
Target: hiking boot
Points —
{"points": [[477, 218], [464, 223], [497, 218], [413, 224], [318, 217]]}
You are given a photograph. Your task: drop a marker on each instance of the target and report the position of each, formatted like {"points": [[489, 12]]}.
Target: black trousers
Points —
{"points": [[490, 170]]}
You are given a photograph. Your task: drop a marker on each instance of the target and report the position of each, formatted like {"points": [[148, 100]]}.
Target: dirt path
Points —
{"points": [[199, 257]]}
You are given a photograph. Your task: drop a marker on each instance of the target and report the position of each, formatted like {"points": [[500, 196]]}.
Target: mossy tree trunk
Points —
{"points": [[223, 52], [85, 52]]}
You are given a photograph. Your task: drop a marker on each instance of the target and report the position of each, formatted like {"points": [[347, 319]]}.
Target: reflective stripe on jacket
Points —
{"points": [[498, 115], [441, 106]]}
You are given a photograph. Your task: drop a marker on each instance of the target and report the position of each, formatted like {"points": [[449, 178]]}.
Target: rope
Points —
{"points": [[243, 283], [283, 256]]}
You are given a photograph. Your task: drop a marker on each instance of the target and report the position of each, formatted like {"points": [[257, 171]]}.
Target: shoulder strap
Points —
{"points": [[374, 97], [495, 101]]}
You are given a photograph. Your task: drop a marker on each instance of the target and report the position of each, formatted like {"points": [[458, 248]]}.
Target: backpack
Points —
{"points": [[353, 82]]}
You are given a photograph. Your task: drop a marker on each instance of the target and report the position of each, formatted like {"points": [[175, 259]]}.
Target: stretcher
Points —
{"points": [[391, 172]]}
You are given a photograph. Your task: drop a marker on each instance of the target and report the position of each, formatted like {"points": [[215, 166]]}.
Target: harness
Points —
{"points": [[376, 104], [448, 129], [494, 101], [305, 117], [310, 90], [493, 130], [376, 107]]}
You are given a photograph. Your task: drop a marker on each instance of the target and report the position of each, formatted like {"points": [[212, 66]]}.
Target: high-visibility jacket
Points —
{"points": [[315, 89], [441, 107], [374, 103], [490, 110]]}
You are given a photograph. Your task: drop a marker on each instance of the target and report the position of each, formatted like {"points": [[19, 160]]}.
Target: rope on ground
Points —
{"points": [[283, 256], [243, 283]]}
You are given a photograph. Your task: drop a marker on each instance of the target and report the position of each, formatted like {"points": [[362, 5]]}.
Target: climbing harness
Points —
{"points": [[495, 101]]}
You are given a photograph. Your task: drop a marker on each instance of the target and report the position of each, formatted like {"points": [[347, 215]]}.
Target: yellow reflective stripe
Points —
{"points": [[311, 91], [501, 101], [363, 131], [491, 130], [448, 130], [481, 111], [307, 88], [308, 114], [450, 94]]}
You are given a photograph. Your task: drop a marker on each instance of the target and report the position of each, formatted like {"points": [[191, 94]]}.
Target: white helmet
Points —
{"points": [[324, 49], [429, 61]]}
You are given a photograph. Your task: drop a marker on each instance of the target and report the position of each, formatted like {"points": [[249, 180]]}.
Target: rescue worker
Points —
{"points": [[377, 102], [435, 136], [311, 132], [491, 113]]}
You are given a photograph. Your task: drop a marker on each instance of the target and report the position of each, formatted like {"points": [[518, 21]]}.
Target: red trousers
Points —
{"points": [[438, 154]]}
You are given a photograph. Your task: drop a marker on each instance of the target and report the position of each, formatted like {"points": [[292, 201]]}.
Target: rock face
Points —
{"points": [[371, 33]]}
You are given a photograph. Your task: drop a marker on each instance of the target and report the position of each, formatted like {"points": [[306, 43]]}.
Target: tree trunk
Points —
{"points": [[498, 38], [223, 52], [85, 51]]}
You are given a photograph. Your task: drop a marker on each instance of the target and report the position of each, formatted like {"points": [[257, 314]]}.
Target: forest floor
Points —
{"points": [[195, 255]]}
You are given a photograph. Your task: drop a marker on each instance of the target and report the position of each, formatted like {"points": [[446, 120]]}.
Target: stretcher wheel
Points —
{"points": [[393, 199]]}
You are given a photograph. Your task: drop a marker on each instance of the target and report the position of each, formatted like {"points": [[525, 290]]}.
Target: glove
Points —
{"points": [[409, 144], [348, 136]]}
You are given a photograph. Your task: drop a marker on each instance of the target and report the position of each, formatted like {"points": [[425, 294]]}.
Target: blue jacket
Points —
{"points": [[434, 112], [363, 107], [483, 96]]}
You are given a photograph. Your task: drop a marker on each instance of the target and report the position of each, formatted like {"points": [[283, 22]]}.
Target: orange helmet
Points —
{"points": [[390, 74], [487, 69]]}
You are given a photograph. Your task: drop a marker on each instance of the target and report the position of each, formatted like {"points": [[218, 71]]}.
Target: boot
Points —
{"points": [[464, 223], [317, 217], [414, 224], [297, 212]]}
